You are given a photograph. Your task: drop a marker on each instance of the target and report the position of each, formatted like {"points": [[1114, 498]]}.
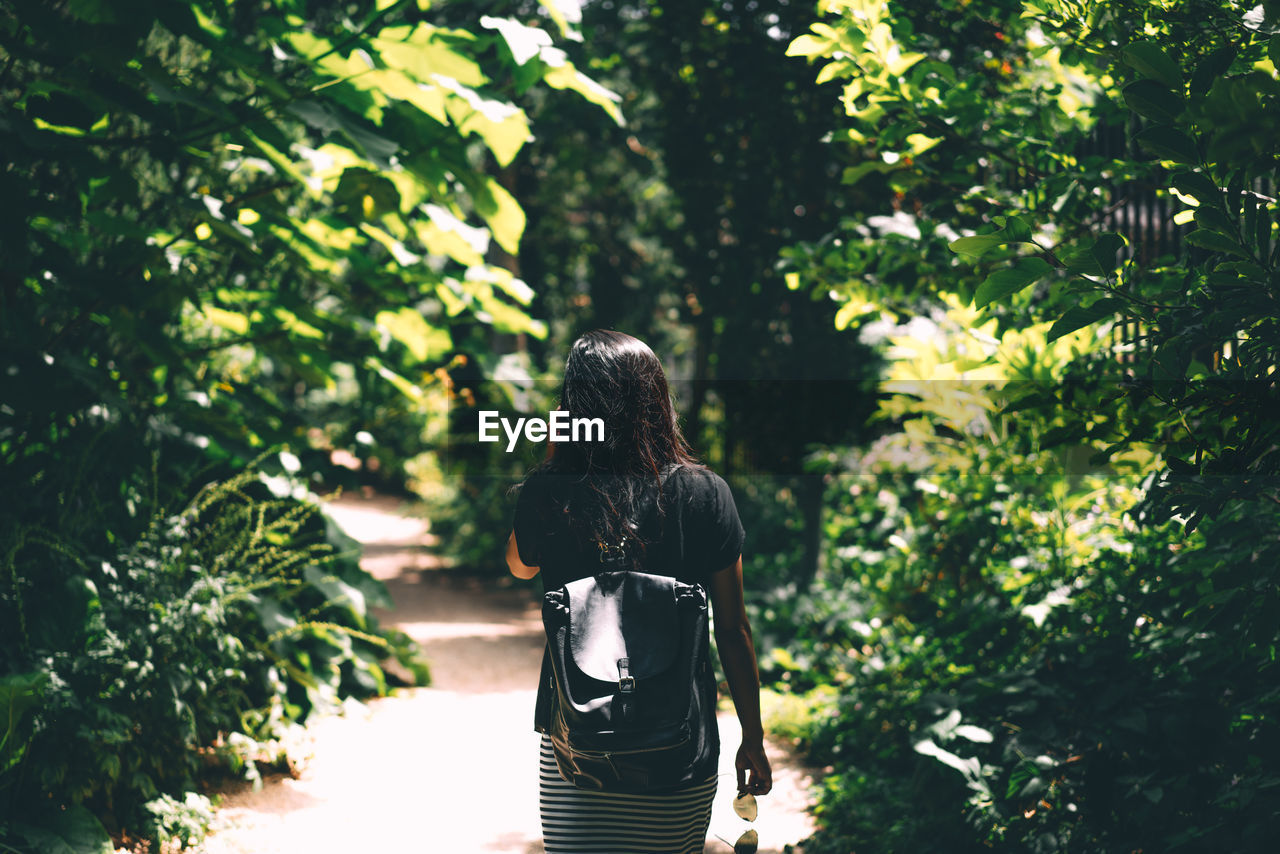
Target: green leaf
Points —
{"points": [[502, 212], [445, 234], [977, 245], [1168, 143], [899, 65], [1235, 189], [417, 51], [1273, 50], [1262, 229], [1170, 361], [1152, 100], [404, 386], [410, 328], [18, 693], [1244, 268], [971, 767], [1150, 60], [1012, 230], [503, 127], [1099, 259], [326, 118], [1198, 186], [1216, 242], [338, 593], [809, 45], [1010, 280], [1015, 229], [1215, 220], [854, 174], [232, 321], [1081, 316], [1211, 68], [567, 76], [74, 830]]}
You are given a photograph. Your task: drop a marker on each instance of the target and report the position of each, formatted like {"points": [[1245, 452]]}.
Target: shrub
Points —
{"points": [[230, 617]]}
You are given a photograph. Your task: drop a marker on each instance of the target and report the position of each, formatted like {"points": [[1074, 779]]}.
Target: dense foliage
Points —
{"points": [[227, 227], [669, 227], [1052, 606], [132, 669]]}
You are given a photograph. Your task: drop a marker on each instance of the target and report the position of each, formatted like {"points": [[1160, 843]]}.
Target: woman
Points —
{"points": [[639, 486]]}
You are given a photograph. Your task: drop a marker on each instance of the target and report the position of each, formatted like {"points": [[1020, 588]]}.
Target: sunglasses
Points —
{"points": [[745, 807]]}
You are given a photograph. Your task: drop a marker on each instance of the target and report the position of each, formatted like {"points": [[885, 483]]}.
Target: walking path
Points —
{"points": [[450, 768]]}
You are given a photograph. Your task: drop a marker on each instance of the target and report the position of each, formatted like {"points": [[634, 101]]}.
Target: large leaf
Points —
{"points": [[74, 830], [1169, 143], [1214, 219], [1081, 316], [503, 127], [1099, 259], [502, 212], [810, 45], [1212, 67], [1010, 280], [19, 692], [1198, 186], [338, 593], [1151, 61], [1012, 230], [1152, 100], [410, 328], [567, 77], [1216, 242], [425, 55]]}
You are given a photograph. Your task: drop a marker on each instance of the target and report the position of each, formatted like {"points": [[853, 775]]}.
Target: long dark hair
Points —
{"points": [[609, 484]]}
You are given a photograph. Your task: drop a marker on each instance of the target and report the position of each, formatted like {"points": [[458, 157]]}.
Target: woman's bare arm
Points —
{"points": [[518, 568], [738, 656]]}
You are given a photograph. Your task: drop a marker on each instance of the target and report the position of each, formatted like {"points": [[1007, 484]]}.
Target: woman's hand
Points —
{"points": [[751, 758]]}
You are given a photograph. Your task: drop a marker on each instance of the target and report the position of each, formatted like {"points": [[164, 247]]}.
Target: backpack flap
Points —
{"points": [[620, 617]]}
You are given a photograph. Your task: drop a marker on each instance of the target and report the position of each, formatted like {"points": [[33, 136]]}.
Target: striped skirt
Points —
{"points": [[576, 821]]}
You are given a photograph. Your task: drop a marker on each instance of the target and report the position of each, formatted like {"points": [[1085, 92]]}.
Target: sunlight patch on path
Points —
{"points": [[425, 771]]}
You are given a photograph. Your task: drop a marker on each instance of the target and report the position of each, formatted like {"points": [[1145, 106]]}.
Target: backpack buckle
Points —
{"points": [[626, 682]]}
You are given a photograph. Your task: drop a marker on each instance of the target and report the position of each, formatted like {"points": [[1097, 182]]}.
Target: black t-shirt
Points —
{"points": [[697, 534]]}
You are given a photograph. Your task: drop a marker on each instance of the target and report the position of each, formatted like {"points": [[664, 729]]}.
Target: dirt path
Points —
{"points": [[449, 768]]}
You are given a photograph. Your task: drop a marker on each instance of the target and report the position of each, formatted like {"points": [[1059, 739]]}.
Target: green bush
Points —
{"points": [[1058, 570], [223, 620]]}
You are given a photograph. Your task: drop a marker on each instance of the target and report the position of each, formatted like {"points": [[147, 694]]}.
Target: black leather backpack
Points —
{"points": [[633, 701]]}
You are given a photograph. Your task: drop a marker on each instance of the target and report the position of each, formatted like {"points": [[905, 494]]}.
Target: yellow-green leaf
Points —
{"points": [[411, 329], [503, 214], [232, 321], [296, 325], [445, 234], [809, 45], [423, 57], [405, 387], [566, 76]]}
